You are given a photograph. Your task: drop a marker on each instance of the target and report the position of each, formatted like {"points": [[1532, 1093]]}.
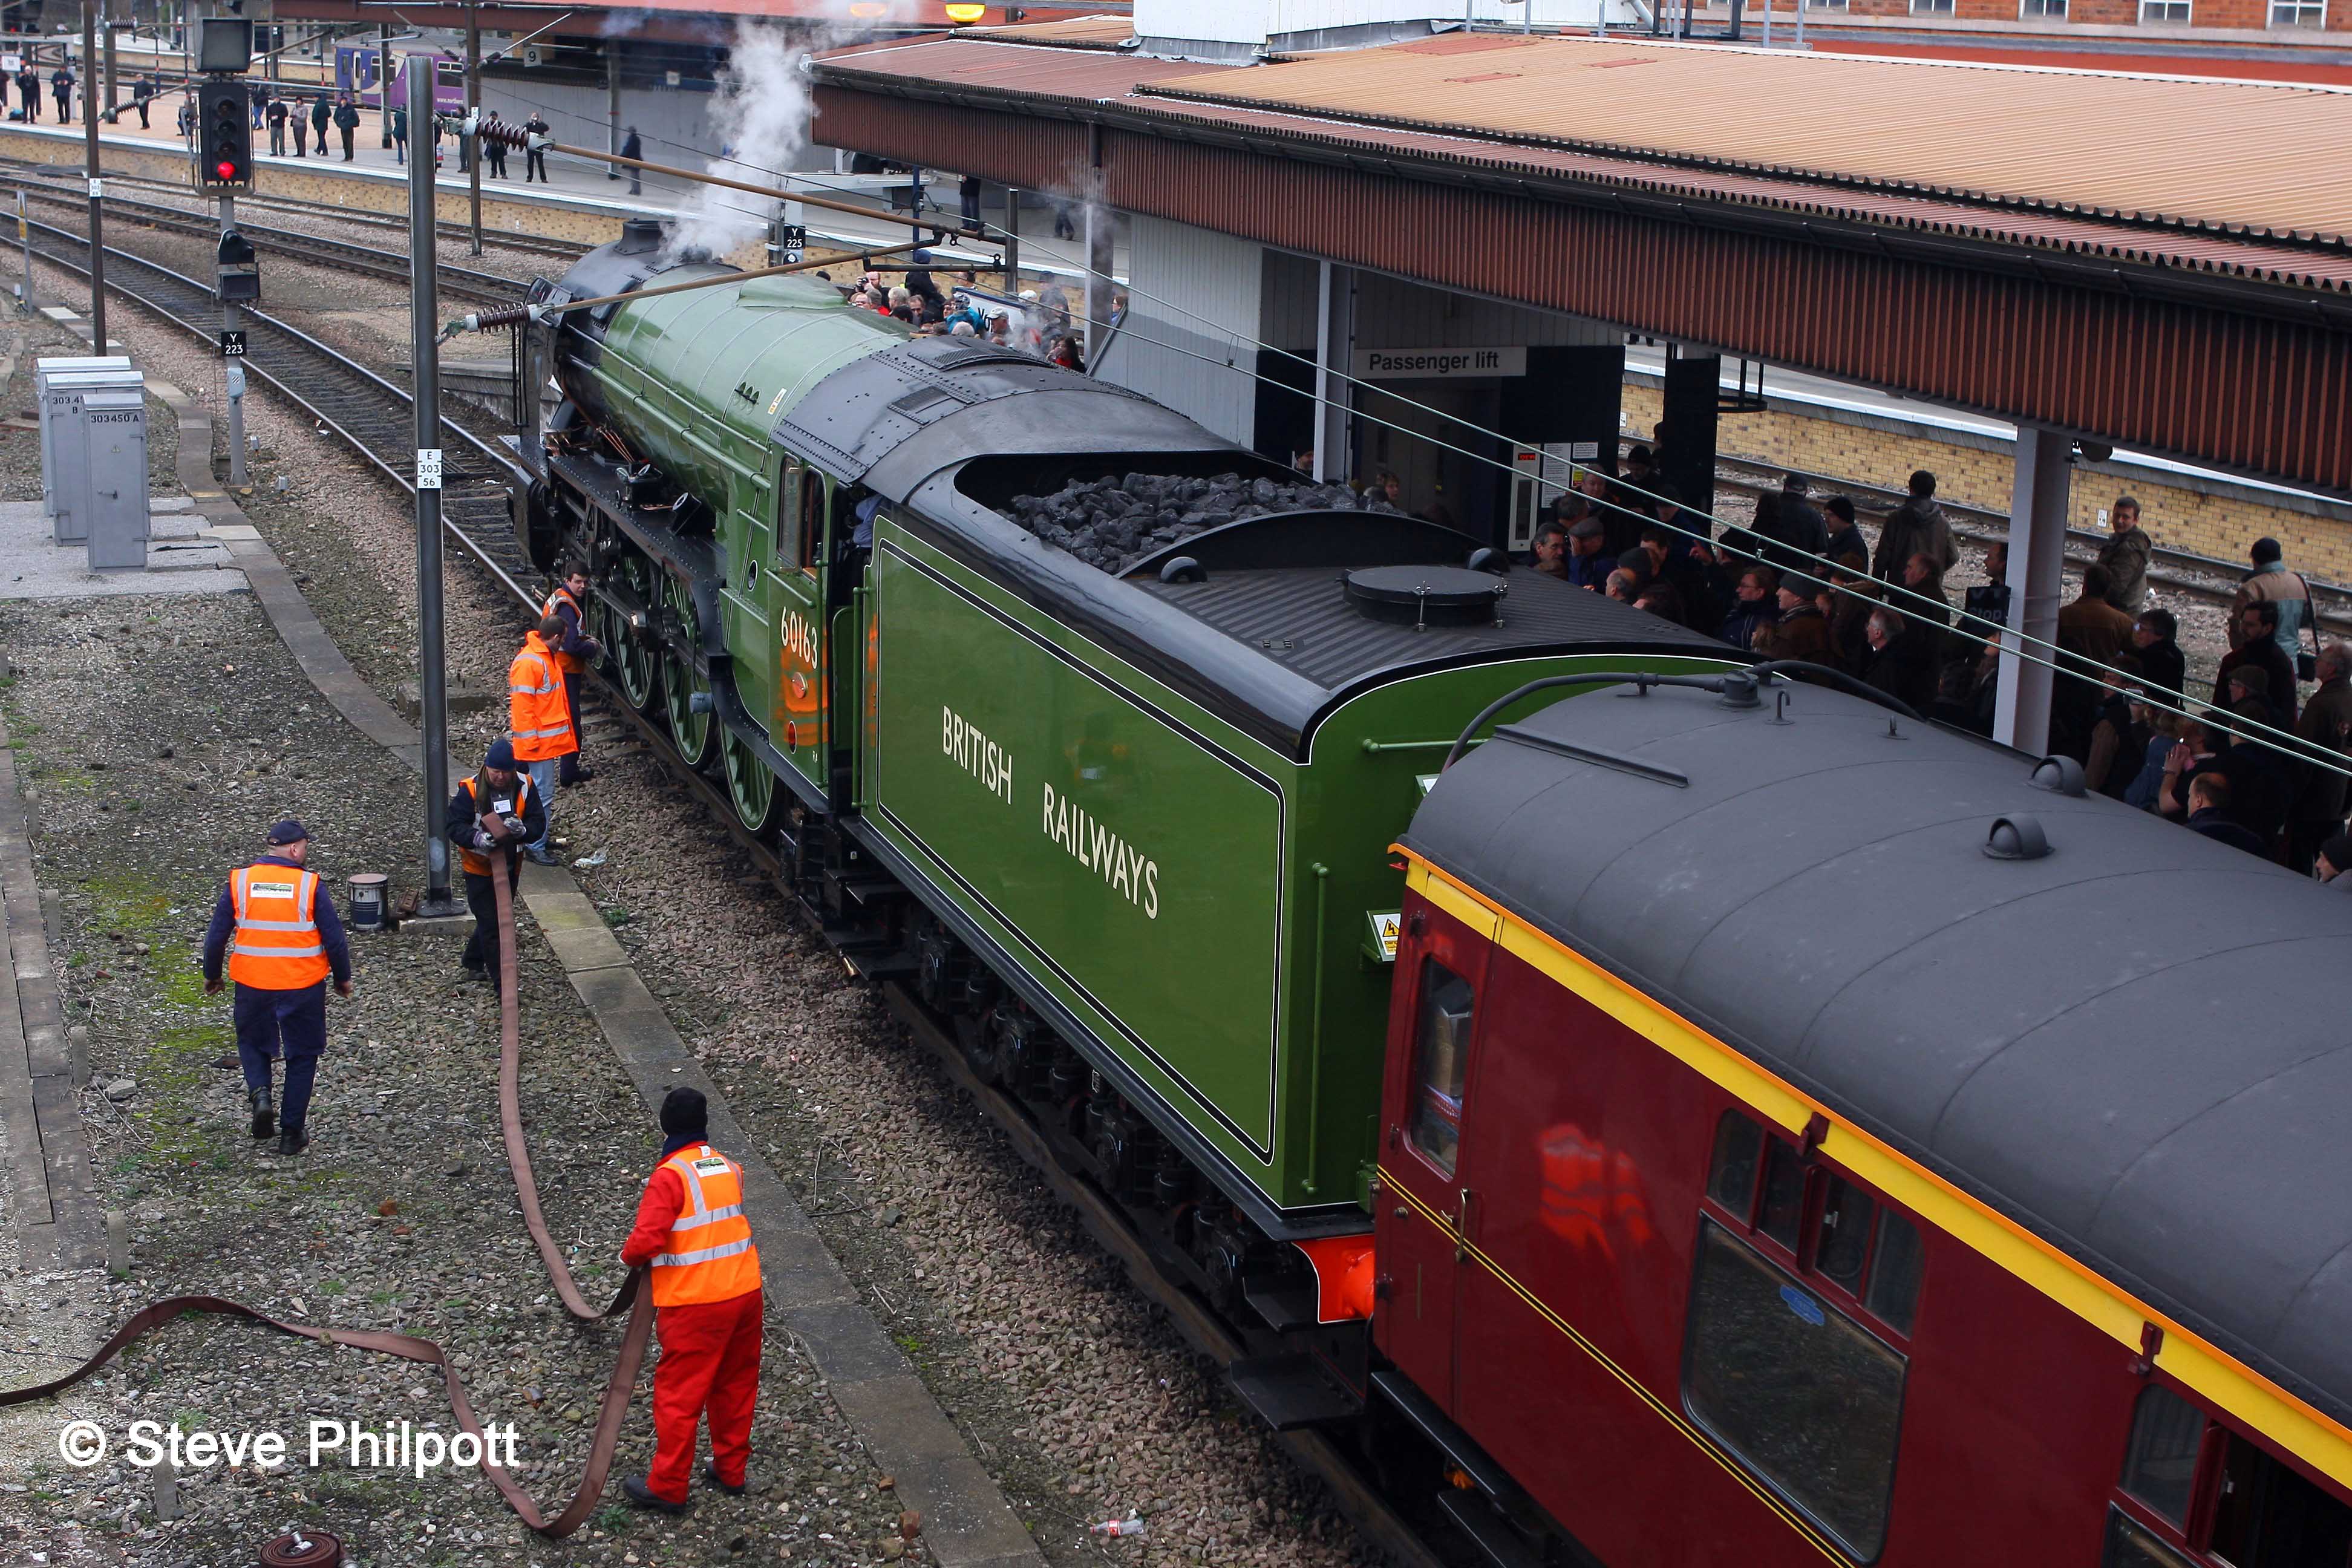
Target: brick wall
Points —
{"points": [[2230, 13], [2253, 14], [1980, 473]]}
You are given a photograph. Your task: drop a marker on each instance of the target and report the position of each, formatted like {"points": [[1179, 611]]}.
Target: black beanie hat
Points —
{"points": [[685, 1114]]}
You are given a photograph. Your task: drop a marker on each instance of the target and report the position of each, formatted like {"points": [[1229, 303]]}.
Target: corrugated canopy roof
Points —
{"points": [[1020, 67], [1216, 96], [2266, 157], [1071, 33]]}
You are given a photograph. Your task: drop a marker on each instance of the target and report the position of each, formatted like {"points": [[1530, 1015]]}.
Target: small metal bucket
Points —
{"points": [[371, 891]]}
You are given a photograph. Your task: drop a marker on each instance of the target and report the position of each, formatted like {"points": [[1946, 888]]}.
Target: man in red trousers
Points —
{"points": [[692, 1230]]}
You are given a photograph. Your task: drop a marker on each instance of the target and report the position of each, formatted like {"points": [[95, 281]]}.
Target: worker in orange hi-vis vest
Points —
{"points": [[705, 1274], [575, 651], [276, 933], [539, 719]]}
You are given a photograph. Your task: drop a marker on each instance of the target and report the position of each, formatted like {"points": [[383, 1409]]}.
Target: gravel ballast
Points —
{"points": [[1069, 1390]]}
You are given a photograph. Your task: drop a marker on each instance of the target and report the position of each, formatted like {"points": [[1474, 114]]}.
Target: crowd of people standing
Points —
{"points": [[2254, 761]]}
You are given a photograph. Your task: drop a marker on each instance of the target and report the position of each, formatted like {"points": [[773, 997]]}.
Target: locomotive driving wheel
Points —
{"points": [[686, 690], [757, 798], [629, 658]]}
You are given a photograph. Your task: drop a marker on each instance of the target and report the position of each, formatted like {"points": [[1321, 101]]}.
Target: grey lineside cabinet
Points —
{"points": [[112, 441], [57, 381]]}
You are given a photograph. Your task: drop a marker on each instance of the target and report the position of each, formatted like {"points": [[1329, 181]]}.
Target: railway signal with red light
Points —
{"points": [[224, 137]]}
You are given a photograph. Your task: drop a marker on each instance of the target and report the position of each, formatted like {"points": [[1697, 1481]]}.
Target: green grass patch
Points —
{"points": [[184, 981], [62, 780], [176, 1064], [132, 904]]}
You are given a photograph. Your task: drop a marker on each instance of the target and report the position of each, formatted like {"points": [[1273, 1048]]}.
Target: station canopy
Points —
{"points": [[2161, 262]]}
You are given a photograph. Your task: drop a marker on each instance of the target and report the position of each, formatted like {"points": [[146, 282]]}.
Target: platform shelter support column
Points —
{"points": [[1097, 233], [1013, 240], [613, 102], [2037, 559], [1335, 345]]}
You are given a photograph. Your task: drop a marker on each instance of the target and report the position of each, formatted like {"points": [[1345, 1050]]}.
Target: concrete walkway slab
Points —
{"points": [[38, 567]]}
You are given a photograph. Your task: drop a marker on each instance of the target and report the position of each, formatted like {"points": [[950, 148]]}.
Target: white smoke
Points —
{"points": [[761, 116]]}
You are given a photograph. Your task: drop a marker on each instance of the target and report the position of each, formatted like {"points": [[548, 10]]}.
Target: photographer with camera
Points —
{"points": [[495, 813]]}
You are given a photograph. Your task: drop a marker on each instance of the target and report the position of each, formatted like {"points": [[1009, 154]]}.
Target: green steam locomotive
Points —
{"points": [[1091, 726]]}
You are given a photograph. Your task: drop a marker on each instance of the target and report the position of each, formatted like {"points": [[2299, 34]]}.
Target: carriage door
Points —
{"points": [[1422, 1208], [797, 728]]}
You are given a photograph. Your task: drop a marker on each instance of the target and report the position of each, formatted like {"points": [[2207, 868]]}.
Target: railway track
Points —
{"points": [[14, 173], [375, 417], [344, 255], [368, 412]]}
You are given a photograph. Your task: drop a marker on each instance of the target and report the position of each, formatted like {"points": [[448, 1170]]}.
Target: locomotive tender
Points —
{"points": [[1747, 1166]]}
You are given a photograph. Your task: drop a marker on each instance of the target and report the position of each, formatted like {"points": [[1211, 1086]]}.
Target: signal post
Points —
{"points": [[224, 167]]}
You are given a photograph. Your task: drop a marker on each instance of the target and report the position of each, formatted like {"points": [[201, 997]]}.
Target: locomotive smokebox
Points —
{"points": [[642, 254]]}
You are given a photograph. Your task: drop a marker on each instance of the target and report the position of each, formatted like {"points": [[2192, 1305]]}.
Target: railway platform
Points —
{"points": [[577, 202]]}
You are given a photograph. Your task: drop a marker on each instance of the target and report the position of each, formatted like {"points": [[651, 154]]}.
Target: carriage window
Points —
{"points": [[1844, 1246], [1441, 1054], [1895, 1267], [1859, 1245], [1783, 1217], [1807, 1398], [2268, 1516], [1731, 1179], [2131, 1546], [2221, 1500], [2161, 1466]]}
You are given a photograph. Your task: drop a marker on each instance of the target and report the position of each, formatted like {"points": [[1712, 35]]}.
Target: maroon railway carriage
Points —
{"points": [[1811, 1135]]}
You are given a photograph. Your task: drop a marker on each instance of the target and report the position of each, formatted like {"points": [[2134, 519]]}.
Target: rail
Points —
{"points": [[17, 171], [142, 281], [369, 413], [345, 254]]}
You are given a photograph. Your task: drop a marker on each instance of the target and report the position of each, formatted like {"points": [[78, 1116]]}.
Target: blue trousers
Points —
{"points": [[542, 784], [293, 1023]]}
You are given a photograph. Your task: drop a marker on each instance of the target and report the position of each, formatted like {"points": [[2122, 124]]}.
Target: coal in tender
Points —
{"points": [[1113, 522]]}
